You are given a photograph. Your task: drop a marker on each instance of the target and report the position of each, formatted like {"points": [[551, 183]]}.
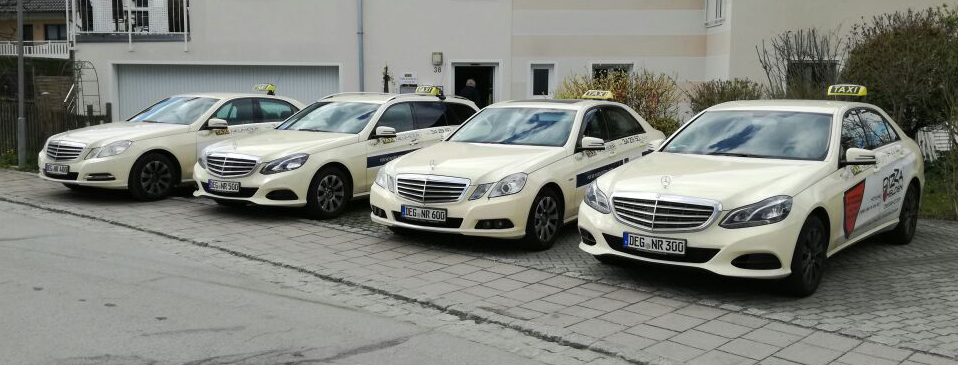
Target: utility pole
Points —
{"points": [[21, 98]]}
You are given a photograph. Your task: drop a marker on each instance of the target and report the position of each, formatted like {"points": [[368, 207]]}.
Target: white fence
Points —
{"points": [[45, 49], [933, 141]]}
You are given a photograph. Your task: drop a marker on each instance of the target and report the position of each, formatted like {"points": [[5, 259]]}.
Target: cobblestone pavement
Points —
{"points": [[879, 303]]}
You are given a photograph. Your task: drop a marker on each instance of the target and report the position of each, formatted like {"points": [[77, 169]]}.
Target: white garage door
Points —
{"points": [[143, 85]]}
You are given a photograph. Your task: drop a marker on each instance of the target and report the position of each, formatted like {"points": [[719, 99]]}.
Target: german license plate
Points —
{"points": [[54, 169], [670, 246], [424, 214], [225, 186]]}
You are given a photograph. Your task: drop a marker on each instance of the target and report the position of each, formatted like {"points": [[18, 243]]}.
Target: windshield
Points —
{"points": [[759, 134], [332, 117], [522, 126], [175, 110]]}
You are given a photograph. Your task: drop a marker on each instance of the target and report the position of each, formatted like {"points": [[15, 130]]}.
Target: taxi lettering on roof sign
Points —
{"points": [[264, 87], [597, 95], [432, 90], [847, 90]]}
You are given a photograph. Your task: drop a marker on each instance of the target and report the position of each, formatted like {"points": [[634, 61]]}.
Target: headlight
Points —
{"points": [[385, 181], [288, 163], [509, 185], [596, 199], [767, 211], [480, 191], [111, 149]]}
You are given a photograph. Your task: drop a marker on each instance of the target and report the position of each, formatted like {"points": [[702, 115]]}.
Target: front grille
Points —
{"points": [[654, 212], [231, 164], [431, 188], [64, 150]]}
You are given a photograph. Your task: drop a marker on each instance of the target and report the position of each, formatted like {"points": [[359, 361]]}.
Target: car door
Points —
{"points": [[895, 163], [431, 121], [589, 165], [854, 187], [380, 151], [627, 139], [240, 114], [273, 112]]}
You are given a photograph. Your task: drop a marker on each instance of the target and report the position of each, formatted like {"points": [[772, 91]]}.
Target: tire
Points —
{"points": [[808, 260], [230, 203], [329, 193], [904, 232], [153, 177], [544, 221]]}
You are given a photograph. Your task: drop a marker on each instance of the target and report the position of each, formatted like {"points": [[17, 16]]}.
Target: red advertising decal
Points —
{"points": [[853, 203]]}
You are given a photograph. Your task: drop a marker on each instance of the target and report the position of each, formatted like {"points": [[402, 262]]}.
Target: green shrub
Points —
{"points": [[906, 59], [714, 92], [654, 96]]}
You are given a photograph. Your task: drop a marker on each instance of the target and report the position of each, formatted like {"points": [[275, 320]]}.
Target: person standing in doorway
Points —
{"points": [[470, 92]]}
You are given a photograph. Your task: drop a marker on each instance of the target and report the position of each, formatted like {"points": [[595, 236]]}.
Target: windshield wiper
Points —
{"points": [[149, 121], [734, 154]]}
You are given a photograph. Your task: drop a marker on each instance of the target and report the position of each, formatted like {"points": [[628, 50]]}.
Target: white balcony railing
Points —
{"points": [[44, 49]]}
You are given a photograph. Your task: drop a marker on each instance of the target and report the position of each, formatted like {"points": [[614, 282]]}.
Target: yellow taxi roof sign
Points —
{"points": [[847, 90], [431, 90], [264, 87], [598, 95]]}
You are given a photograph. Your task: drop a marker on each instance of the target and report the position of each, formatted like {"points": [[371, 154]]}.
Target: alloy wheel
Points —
{"points": [[156, 178], [331, 192], [812, 256], [546, 218]]}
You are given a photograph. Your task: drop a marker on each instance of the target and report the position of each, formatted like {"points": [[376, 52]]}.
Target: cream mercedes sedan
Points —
{"points": [[760, 189], [328, 153], [516, 169], [154, 151]]}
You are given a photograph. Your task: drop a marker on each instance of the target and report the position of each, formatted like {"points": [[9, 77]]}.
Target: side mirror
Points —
{"points": [[216, 123], [384, 132], [591, 144], [858, 157], [652, 146]]}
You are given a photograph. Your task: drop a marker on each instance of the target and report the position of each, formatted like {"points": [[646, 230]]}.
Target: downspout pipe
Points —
{"points": [[359, 34]]}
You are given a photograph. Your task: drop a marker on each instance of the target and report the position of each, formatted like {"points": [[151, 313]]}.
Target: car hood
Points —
{"points": [[276, 143], [480, 162], [732, 181], [110, 132]]}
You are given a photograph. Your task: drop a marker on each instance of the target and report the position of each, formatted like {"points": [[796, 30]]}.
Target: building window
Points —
{"points": [[714, 12], [600, 70], [27, 32], [543, 80], [55, 32]]}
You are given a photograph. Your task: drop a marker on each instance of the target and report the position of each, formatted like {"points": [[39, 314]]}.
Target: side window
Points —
{"points": [[430, 115], [275, 110], [879, 132], [621, 124], [458, 113], [854, 134], [594, 125], [237, 112], [398, 116]]}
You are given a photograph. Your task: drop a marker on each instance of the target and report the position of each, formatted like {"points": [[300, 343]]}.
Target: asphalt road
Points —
{"points": [[71, 294]]}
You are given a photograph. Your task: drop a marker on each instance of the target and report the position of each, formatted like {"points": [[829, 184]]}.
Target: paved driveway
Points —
{"points": [[878, 303]]}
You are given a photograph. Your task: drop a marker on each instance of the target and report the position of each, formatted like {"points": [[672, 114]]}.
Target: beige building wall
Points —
{"points": [[8, 26], [751, 21]]}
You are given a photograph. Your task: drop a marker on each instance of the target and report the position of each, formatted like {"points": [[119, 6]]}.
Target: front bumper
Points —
{"points": [[109, 172], [712, 249], [259, 189], [515, 208]]}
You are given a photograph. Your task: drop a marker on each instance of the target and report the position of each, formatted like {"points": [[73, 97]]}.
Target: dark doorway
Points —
{"points": [[484, 77]]}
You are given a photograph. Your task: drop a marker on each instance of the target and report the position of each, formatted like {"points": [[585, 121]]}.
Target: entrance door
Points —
{"points": [[483, 74]]}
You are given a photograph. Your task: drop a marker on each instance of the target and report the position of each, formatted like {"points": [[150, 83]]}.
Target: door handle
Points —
{"points": [[414, 142]]}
